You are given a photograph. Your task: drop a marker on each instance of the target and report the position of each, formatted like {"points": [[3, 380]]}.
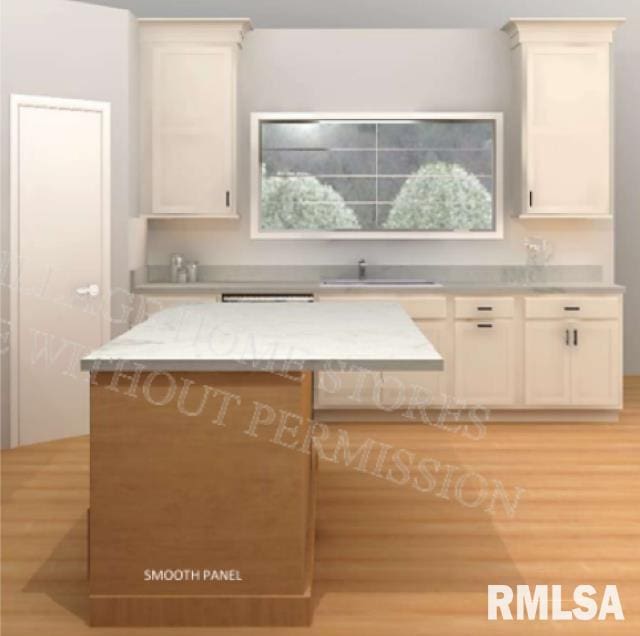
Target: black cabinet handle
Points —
{"points": [[567, 337], [530, 198], [484, 308], [228, 198], [575, 337], [572, 308], [484, 325]]}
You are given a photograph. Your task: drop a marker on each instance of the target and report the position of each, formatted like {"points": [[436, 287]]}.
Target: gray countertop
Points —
{"points": [[270, 337], [231, 287]]}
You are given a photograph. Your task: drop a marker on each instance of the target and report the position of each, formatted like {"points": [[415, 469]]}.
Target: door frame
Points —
{"points": [[40, 101]]}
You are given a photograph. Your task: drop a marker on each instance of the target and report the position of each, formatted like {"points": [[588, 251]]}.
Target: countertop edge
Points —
{"points": [[317, 288], [255, 366]]}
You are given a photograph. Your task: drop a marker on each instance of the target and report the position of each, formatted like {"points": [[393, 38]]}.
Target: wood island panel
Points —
{"points": [[201, 471]]}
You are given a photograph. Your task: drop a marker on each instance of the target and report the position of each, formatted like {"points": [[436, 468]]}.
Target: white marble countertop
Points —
{"points": [[271, 337]]}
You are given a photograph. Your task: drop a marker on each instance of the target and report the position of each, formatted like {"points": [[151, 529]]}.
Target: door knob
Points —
{"points": [[91, 290]]}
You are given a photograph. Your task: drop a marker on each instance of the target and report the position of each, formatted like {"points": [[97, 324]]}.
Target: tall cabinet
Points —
{"points": [[563, 85], [188, 116]]}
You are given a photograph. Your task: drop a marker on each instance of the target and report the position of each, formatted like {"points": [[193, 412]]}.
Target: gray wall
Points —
{"points": [[466, 14], [74, 50]]}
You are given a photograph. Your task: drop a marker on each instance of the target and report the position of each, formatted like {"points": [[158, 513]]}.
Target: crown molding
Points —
{"points": [[213, 30], [561, 30]]}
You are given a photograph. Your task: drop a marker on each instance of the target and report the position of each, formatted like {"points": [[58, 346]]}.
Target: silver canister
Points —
{"points": [[177, 262], [192, 272], [181, 275]]}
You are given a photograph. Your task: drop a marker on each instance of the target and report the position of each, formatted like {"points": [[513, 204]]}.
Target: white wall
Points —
{"points": [[376, 70], [74, 50]]}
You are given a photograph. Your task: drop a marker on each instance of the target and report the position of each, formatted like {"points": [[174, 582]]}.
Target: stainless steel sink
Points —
{"points": [[378, 282]]}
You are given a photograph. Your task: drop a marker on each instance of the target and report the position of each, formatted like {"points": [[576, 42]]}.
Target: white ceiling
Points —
{"points": [[376, 13]]}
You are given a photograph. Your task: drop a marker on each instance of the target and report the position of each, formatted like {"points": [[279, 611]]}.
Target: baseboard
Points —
{"points": [[201, 611], [488, 417]]}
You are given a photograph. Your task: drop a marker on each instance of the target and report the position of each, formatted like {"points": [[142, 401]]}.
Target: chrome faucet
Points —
{"points": [[362, 269]]}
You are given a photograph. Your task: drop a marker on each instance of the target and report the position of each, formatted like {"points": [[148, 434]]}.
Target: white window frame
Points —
{"points": [[448, 235]]}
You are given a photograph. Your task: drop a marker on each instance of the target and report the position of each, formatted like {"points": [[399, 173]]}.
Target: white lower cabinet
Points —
{"points": [[505, 352], [392, 389], [596, 364], [485, 362], [538, 352], [574, 362], [421, 388], [547, 362]]}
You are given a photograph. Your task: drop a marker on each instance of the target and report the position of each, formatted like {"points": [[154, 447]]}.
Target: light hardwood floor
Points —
{"points": [[390, 559]]}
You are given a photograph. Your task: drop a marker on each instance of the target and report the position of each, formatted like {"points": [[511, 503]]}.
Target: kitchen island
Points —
{"points": [[203, 465]]}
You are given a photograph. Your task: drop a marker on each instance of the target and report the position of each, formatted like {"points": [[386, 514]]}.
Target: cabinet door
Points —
{"points": [[403, 388], [485, 362], [596, 363], [567, 129], [192, 104], [348, 390], [547, 363]]}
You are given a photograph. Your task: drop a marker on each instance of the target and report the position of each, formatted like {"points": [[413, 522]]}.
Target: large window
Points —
{"points": [[377, 176]]}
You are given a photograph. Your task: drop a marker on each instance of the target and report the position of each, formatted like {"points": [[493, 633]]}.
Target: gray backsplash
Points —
{"points": [[437, 273]]}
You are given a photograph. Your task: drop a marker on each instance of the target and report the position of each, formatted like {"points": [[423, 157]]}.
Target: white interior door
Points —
{"points": [[60, 197]]}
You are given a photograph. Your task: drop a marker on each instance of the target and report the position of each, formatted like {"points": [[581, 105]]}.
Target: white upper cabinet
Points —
{"points": [[564, 95], [188, 116]]}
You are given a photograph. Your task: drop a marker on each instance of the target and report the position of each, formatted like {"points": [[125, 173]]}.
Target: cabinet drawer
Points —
{"points": [[418, 307], [479, 307], [572, 307]]}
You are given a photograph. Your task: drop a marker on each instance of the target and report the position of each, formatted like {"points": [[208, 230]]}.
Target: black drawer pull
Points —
{"points": [[484, 308], [572, 308], [484, 325]]}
